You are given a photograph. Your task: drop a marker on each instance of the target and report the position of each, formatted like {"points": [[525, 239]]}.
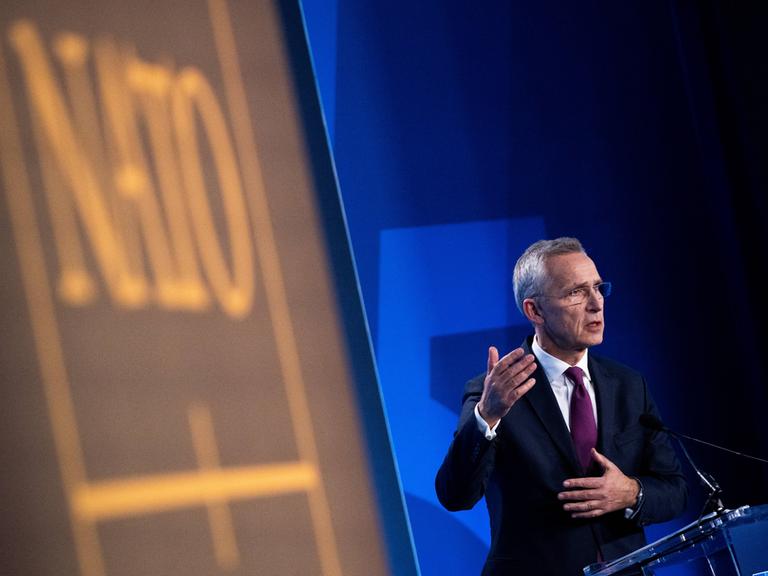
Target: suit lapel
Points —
{"points": [[605, 391], [543, 402]]}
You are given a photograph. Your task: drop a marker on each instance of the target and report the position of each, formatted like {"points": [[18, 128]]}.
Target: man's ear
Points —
{"points": [[532, 311]]}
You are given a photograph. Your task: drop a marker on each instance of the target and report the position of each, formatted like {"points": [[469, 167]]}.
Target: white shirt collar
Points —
{"points": [[554, 367]]}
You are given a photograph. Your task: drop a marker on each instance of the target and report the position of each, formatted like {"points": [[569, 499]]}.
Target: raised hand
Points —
{"points": [[505, 383]]}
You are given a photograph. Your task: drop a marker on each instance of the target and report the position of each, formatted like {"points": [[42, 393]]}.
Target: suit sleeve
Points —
{"points": [[461, 479], [666, 491]]}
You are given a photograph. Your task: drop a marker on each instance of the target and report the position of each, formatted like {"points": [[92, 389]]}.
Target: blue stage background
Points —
{"points": [[464, 131]]}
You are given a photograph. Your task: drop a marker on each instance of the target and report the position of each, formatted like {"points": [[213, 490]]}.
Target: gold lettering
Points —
{"points": [[235, 291], [177, 272], [127, 177], [122, 168], [64, 152]]}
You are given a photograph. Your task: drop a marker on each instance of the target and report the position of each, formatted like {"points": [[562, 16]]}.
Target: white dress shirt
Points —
{"points": [[562, 386]]}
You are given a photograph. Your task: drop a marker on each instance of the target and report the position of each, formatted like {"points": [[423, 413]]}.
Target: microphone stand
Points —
{"points": [[707, 480], [710, 484]]}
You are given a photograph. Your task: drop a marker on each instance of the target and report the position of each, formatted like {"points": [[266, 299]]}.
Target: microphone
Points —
{"points": [[710, 484]]}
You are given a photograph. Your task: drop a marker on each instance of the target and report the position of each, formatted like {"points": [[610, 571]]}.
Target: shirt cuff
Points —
{"points": [[487, 431]]}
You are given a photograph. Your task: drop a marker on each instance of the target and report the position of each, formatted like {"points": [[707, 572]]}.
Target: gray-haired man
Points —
{"points": [[550, 434]]}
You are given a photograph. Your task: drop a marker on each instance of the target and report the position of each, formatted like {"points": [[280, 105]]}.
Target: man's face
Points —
{"points": [[567, 329]]}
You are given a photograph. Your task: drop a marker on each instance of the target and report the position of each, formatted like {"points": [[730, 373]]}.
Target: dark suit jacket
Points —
{"points": [[522, 470]]}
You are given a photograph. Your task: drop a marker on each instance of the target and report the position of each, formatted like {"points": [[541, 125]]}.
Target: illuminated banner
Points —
{"points": [[178, 389]]}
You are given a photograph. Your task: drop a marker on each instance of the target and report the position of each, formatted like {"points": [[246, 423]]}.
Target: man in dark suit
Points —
{"points": [[550, 434]]}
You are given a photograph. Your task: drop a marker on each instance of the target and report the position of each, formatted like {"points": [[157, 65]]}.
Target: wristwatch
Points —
{"points": [[631, 512]]}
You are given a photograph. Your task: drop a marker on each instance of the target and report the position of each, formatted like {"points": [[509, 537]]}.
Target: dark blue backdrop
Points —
{"points": [[463, 131]]}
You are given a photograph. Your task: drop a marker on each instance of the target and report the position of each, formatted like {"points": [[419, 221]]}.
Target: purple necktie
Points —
{"points": [[583, 427]]}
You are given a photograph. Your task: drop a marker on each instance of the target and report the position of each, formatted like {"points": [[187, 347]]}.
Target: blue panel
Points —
{"points": [[438, 281]]}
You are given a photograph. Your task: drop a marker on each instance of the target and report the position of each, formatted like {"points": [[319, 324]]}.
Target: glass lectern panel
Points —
{"points": [[733, 543]]}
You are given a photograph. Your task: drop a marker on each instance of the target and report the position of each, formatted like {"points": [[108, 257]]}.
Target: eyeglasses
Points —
{"points": [[581, 294]]}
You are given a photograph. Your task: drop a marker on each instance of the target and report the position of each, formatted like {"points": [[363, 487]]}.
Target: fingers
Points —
{"points": [[512, 375], [509, 373], [516, 366], [506, 381], [517, 392], [510, 359], [588, 482], [493, 358], [579, 495], [584, 503], [581, 507], [591, 513], [518, 374], [584, 499]]}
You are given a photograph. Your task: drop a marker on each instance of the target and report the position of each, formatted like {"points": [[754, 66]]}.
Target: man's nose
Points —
{"points": [[595, 300]]}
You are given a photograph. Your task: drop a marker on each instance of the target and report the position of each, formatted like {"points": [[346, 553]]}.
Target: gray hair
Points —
{"points": [[529, 271]]}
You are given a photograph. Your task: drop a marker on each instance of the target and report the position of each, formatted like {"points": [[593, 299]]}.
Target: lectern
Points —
{"points": [[732, 543]]}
